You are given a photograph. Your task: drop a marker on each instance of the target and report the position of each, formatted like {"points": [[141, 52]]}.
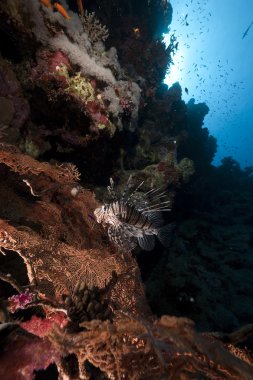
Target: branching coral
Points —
{"points": [[95, 31], [25, 165]]}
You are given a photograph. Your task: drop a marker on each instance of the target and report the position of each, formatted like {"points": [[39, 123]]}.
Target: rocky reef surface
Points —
{"points": [[82, 100]]}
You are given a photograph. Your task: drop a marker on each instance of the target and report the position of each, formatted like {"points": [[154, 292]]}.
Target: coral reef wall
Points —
{"points": [[82, 100]]}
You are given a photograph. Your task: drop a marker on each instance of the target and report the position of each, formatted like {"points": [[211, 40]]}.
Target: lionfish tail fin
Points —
{"points": [[165, 233]]}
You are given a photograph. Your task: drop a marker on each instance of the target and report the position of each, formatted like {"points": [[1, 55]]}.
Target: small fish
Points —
{"points": [[247, 30], [62, 11], [186, 90], [134, 219], [137, 32], [46, 3]]}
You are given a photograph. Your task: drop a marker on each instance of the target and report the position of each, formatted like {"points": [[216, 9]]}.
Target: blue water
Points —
{"points": [[215, 64]]}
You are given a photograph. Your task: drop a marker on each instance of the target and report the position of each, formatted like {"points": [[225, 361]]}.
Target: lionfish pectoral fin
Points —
{"points": [[114, 234], [165, 233], [155, 218], [147, 242], [121, 238]]}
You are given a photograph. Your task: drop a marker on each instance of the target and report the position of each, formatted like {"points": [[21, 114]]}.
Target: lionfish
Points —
{"points": [[135, 218]]}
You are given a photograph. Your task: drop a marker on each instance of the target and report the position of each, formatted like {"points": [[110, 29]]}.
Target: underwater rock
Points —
{"points": [[15, 108], [36, 147], [7, 111], [186, 167]]}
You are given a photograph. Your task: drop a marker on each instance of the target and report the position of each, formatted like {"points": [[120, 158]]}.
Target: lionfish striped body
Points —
{"points": [[135, 220]]}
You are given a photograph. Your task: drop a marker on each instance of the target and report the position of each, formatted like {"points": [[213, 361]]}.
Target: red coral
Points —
{"points": [[92, 107], [47, 63], [103, 119], [58, 59], [19, 301], [42, 326], [93, 83], [25, 354]]}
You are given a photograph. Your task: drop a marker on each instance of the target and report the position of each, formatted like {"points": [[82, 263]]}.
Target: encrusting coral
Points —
{"points": [[81, 52]]}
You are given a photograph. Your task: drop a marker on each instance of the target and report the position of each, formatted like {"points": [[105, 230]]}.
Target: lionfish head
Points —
{"points": [[99, 214]]}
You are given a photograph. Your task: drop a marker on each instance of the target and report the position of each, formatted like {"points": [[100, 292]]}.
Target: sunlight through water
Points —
{"points": [[213, 64]]}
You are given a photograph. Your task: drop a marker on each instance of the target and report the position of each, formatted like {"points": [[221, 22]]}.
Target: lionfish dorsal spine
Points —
{"points": [[152, 191], [111, 190], [134, 192], [157, 207], [127, 187], [159, 196]]}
